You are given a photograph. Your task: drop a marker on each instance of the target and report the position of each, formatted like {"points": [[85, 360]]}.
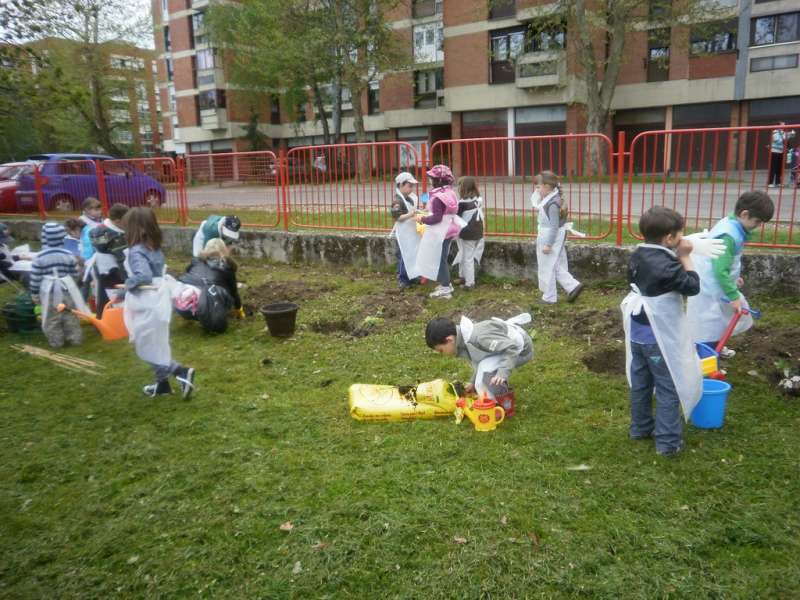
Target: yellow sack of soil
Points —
{"points": [[428, 400]]}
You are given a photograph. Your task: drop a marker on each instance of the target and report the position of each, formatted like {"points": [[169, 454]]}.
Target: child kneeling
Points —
{"points": [[659, 353], [494, 347]]}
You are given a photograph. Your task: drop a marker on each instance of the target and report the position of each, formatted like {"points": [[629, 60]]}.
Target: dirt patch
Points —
{"points": [[486, 309], [283, 291], [770, 351], [373, 313], [599, 324], [608, 360]]}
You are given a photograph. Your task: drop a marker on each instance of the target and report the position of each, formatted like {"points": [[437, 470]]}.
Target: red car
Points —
{"points": [[9, 176]]}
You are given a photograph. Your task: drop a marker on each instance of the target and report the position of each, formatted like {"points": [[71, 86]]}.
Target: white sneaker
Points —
{"points": [[442, 292], [727, 352], [772, 185]]}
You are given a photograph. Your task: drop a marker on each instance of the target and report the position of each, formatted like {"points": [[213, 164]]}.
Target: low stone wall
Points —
{"points": [[765, 271]]}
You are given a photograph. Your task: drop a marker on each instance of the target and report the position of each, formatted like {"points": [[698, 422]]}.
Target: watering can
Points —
{"points": [[111, 326], [484, 413]]}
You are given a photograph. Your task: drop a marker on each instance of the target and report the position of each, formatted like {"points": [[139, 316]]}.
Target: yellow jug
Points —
{"points": [[485, 414]]}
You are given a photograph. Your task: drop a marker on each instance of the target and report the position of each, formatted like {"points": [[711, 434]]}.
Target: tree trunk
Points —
{"points": [[320, 104]]}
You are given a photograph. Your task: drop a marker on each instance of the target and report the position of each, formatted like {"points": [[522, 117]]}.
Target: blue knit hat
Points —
{"points": [[53, 234]]}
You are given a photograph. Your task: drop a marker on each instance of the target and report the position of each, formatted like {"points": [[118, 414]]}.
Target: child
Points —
{"points": [[52, 283], [225, 228], [659, 352], [720, 278], [494, 348], [404, 209], [92, 217], [213, 290], [72, 242], [470, 238], [551, 254], [440, 228], [107, 265], [148, 305]]}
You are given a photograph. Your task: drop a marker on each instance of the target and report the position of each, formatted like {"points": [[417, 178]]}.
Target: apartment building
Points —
{"points": [[485, 69]]}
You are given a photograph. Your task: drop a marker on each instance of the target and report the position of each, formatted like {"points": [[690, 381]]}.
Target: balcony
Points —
{"points": [[426, 8], [199, 3], [542, 69], [213, 118], [210, 77]]}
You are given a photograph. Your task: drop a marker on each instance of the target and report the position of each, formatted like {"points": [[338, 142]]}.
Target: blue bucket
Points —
{"points": [[710, 411]]}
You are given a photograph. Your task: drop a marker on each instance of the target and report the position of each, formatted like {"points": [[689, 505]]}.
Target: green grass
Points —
{"points": [[106, 494]]}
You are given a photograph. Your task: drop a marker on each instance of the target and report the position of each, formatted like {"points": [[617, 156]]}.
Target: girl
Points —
{"points": [[148, 305], [210, 289], [470, 239], [551, 255], [440, 228]]}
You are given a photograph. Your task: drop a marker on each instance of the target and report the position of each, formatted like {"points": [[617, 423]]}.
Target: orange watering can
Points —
{"points": [[111, 326]]}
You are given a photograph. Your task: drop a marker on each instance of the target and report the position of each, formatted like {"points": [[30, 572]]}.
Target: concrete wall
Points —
{"points": [[764, 271]]}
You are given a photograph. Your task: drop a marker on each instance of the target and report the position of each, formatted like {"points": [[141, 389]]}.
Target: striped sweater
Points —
{"points": [[52, 261]]}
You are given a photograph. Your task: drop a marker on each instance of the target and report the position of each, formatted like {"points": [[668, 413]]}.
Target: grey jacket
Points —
{"points": [[490, 338], [550, 219]]}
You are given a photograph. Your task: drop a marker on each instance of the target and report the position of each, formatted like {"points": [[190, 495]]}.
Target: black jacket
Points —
{"points": [[212, 272], [657, 272]]}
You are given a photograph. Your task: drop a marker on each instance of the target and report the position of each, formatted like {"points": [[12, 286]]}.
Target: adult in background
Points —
{"points": [[216, 227], [776, 149], [210, 288]]}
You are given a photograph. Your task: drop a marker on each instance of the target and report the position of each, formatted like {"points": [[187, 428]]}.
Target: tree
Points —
{"points": [[256, 139], [309, 50]]}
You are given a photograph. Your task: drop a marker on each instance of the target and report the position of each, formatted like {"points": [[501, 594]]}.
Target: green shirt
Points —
{"points": [[723, 263]]}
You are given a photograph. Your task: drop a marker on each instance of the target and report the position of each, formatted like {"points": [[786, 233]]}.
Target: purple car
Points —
{"points": [[68, 179]]}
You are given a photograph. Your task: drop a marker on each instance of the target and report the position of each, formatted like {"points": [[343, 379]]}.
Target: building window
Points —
{"points": [[207, 59], [126, 62], [429, 43], [426, 8], [275, 111], [426, 88], [198, 28], [714, 38], [507, 45], [211, 99], [658, 55], [773, 63], [300, 111], [170, 70], [775, 29], [173, 103], [164, 9], [167, 42], [542, 38], [374, 98], [502, 9]]}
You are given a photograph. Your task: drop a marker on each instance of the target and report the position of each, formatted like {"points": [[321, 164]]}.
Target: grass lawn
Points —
{"points": [[106, 494]]}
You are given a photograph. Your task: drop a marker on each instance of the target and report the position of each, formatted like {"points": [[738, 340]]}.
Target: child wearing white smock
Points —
{"points": [[470, 238]]}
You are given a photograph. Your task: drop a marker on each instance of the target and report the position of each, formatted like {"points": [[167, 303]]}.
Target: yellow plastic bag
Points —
{"points": [[370, 402]]}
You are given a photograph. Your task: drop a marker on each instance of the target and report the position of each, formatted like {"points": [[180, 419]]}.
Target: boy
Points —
{"points": [[225, 228], [404, 209], [92, 217], [720, 278], [660, 356], [72, 242], [494, 347], [52, 283], [107, 266]]}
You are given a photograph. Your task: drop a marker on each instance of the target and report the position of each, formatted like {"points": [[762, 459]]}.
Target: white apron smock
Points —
{"points": [[406, 232], [492, 363], [198, 240], [147, 314], [553, 266], [429, 254], [709, 312], [466, 216], [51, 294], [671, 330]]}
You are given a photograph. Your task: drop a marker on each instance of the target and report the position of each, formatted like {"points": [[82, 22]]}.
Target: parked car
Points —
{"points": [[9, 176], [68, 179]]}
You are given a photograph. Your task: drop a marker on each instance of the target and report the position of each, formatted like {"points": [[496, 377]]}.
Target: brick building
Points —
{"points": [[478, 72]]}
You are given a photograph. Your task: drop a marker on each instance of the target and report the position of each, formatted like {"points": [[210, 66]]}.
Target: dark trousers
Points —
{"points": [[103, 283], [443, 277], [402, 275], [775, 167]]}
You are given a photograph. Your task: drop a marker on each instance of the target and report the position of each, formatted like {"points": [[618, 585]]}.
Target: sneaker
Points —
{"points": [[772, 185], [727, 352], [573, 295], [443, 291], [459, 281], [185, 378], [672, 452], [160, 388]]}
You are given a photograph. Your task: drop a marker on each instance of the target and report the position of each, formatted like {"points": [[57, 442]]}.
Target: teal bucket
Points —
{"points": [[710, 411]]}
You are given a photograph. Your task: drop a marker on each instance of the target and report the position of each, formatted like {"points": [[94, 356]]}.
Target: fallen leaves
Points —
{"points": [[319, 545], [580, 467], [286, 526], [459, 540], [298, 568]]}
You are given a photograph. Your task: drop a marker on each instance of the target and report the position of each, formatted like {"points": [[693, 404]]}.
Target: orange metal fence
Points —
{"points": [[702, 172]]}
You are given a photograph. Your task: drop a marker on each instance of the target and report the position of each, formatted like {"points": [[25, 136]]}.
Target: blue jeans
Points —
{"points": [[443, 277], [402, 275], [649, 373]]}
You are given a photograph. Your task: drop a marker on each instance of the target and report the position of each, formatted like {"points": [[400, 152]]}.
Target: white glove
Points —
{"points": [[702, 245], [569, 227], [536, 199]]}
